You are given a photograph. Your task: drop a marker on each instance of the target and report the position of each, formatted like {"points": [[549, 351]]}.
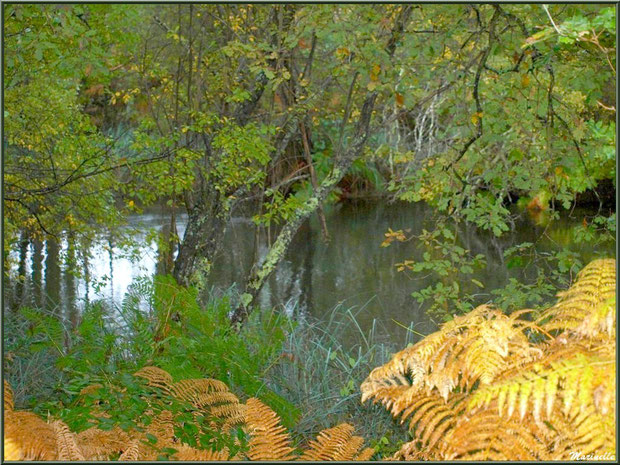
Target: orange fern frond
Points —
{"points": [[162, 428], [336, 444], [11, 450], [487, 436], [132, 452], [187, 453], [66, 442], [31, 435], [268, 438], [365, 455], [98, 444], [156, 377], [193, 390], [471, 349]]}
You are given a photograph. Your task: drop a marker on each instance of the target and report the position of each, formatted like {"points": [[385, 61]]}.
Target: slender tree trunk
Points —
{"points": [[203, 235], [276, 253]]}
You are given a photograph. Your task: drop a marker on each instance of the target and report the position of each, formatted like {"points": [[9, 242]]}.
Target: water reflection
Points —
{"points": [[352, 271]]}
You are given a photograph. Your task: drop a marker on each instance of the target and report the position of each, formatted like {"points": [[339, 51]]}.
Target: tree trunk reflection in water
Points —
{"points": [[18, 295], [37, 273], [52, 276], [70, 292]]}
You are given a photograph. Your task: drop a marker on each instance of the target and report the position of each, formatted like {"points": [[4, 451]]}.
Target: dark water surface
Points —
{"points": [[351, 272]]}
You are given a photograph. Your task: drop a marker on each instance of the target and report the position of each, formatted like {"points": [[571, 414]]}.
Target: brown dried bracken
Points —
{"points": [[29, 438]]}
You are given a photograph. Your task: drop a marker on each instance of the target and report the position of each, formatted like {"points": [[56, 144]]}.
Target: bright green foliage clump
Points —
{"points": [[159, 323]]}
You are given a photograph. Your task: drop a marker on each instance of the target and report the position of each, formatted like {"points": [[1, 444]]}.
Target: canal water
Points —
{"points": [[352, 272]]}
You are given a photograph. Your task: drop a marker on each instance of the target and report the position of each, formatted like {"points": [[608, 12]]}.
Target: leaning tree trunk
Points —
{"points": [[276, 253]]}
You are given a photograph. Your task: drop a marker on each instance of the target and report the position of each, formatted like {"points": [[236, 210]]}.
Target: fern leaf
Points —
{"points": [[474, 348], [227, 411], [487, 436], [156, 377], [330, 443], [187, 453], [162, 428], [31, 435], [268, 438], [192, 390], [574, 379], [364, 455], [337, 444], [66, 442], [585, 307], [98, 444], [132, 452]]}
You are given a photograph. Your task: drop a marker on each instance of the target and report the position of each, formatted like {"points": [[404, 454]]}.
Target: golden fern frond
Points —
{"points": [[156, 377], [227, 411], [364, 455], [488, 436], [132, 452], [31, 435], [337, 444], [582, 379], [8, 397], [591, 432], [194, 390], [212, 398], [66, 442], [601, 321], [268, 438], [162, 428], [434, 417], [473, 348], [410, 451], [187, 453], [235, 419], [98, 444], [90, 389], [595, 284]]}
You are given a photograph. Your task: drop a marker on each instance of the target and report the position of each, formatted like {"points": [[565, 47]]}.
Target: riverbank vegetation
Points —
{"points": [[488, 114]]}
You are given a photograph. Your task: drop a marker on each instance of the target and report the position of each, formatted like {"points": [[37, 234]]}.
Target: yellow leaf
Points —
{"points": [[525, 80], [476, 117]]}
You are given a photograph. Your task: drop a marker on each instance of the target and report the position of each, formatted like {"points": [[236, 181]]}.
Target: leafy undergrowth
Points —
{"points": [[525, 386], [191, 419]]}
